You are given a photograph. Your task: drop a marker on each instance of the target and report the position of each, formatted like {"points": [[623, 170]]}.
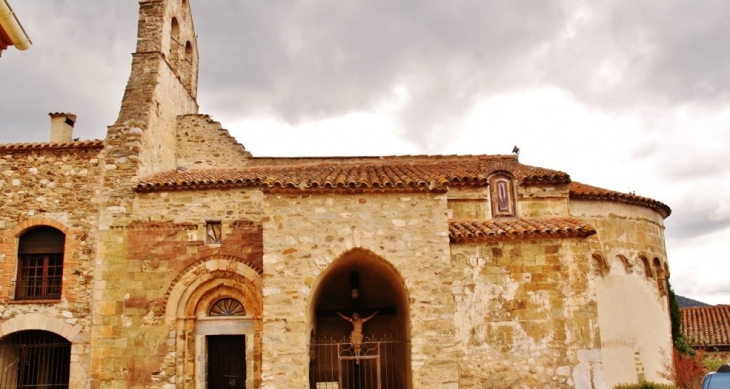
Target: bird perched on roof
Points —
{"points": [[516, 150]]}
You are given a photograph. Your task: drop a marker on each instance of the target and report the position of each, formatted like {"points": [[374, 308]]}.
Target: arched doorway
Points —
{"points": [[360, 331], [216, 307], [35, 359], [225, 344]]}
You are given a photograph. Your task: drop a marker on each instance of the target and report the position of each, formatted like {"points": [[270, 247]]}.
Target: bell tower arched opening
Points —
{"points": [[360, 325]]}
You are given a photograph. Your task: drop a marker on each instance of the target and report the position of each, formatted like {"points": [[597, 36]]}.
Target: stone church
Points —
{"points": [[167, 256]]}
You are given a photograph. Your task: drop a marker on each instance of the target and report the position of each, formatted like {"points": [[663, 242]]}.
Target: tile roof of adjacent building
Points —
{"points": [[384, 173], [82, 144], [707, 326], [587, 192], [505, 229]]}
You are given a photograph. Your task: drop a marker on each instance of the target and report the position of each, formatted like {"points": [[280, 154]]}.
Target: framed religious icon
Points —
{"points": [[501, 192]]}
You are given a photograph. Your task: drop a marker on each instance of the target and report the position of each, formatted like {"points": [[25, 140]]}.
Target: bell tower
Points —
{"points": [[163, 84]]}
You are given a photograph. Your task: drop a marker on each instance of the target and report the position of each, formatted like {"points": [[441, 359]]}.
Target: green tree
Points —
{"points": [[681, 343]]}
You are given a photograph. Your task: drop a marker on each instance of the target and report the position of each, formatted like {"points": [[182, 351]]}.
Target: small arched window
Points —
{"points": [[502, 194], [175, 30], [174, 55], [189, 52], [187, 68], [40, 264]]}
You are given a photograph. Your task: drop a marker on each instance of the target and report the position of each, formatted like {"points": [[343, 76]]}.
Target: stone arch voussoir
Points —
{"points": [[26, 225], [600, 264], [347, 256], [40, 323], [625, 262], [354, 252], [643, 259], [202, 273]]}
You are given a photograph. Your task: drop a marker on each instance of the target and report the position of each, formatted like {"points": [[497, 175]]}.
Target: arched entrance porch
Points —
{"points": [[359, 325]]}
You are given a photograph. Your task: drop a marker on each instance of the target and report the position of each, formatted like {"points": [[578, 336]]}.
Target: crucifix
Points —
{"points": [[354, 314], [356, 334], [357, 315]]}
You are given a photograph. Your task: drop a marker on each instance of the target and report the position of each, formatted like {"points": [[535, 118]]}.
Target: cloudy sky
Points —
{"points": [[627, 95]]}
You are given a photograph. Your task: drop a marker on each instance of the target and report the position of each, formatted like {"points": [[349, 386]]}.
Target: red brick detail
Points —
{"points": [[23, 226]]}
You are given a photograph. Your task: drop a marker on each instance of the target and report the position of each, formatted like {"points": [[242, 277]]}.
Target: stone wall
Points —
{"points": [[56, 187], [203, 143], [633, 310], [526, 314], [542, 200], [305, 234], [469, 203]]}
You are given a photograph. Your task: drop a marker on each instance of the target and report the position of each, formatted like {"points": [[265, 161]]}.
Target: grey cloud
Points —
{"points": [[694, 216], [323, 58], [673, 162], [696, 286], [310, 60], [696, 167], [79, 62], [330, 58], [665, 52]]}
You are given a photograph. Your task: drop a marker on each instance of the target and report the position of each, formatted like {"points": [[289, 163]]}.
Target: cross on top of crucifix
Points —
{"points": [[355, 307]]}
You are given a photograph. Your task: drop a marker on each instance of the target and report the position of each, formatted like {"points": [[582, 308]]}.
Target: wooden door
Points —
{"points": [[226, 362]]}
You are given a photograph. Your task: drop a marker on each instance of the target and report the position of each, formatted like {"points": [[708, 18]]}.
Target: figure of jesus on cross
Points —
{"points": [[356, 335]]}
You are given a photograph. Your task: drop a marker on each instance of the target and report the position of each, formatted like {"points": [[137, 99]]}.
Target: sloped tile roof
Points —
{"points": [[84, 144], [386, 173], [505, 229], [707, 326], [587, 192]]}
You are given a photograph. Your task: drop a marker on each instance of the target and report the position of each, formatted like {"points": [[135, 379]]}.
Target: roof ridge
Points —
{"points": [[579, 190], [94, 143], [461, 230]]}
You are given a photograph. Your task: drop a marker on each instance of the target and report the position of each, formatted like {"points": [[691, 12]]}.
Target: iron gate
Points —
{"points": [[380, 363], [34, 359]]}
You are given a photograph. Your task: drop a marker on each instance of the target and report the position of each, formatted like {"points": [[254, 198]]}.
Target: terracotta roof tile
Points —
{"points": [[707, 326], [310, 177], [503, 229], [587, 192], [399, 173], [84, 144]]}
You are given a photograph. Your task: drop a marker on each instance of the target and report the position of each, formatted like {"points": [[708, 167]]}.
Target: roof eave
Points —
{"points": [[12, 27]]}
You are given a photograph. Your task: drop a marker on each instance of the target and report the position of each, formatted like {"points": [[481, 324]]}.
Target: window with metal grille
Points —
{"points": [[40, 264], [34, 359]]}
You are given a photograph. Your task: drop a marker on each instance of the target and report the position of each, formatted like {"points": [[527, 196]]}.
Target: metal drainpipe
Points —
{"points": [[12, 27]]}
